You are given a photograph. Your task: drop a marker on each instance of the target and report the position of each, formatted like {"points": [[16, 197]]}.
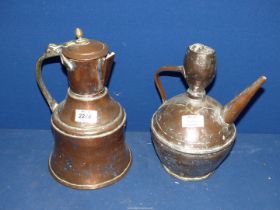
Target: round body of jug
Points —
{"points": [[190, 136], [192, 132]]}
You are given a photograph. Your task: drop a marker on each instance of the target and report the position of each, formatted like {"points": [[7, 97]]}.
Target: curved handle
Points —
{"points": [[158, 82], [52, 51]]}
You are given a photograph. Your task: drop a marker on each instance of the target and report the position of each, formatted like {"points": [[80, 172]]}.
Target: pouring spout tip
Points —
{"points": [[264, 78]]}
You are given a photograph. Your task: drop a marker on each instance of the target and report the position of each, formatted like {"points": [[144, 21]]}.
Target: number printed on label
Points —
{"points": [[192, 121], [86, 116]]}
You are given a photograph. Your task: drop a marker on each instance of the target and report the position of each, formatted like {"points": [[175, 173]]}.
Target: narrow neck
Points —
{"points": [[86, 78], [87, 97], [196, 94]]}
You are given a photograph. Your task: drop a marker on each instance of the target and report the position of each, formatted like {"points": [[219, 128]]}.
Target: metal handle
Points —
{"points": [[52, 51], [158, 82]]}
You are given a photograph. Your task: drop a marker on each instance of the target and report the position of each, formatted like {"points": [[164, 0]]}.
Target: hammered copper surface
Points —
{"points": [[192, 132], [92, 153], [187, 165]]}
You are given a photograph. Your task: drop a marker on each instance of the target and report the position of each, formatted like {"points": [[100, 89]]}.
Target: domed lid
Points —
{"points": [[84, 49], [192, 125]]}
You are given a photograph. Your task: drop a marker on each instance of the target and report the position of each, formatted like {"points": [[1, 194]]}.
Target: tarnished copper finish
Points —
{"points": [[192, 132], [232, 109], [88, 126]]}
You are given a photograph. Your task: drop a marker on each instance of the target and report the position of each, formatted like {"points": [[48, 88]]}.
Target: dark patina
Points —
{"points": [[192, 132]]}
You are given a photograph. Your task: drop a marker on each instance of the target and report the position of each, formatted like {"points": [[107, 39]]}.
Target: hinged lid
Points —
{"points": [[83, 48]]}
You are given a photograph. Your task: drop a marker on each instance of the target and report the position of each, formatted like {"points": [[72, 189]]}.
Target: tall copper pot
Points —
{"points": [[88, 126]]}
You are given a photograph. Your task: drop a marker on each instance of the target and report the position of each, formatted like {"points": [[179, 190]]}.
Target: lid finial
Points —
{"points": [[79, 33]]}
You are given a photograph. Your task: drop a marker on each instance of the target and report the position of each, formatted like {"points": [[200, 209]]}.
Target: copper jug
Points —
{"points": [[192, 132], [88, 126]]}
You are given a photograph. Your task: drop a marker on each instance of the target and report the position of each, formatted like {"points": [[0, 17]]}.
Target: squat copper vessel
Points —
{"points": [[192, 132], [88, 126]]}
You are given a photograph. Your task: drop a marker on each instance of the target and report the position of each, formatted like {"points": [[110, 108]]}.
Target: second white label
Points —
{"points": [[192, 121]]}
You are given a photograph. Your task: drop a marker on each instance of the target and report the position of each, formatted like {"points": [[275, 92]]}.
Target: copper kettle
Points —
{"points": [[192, 132], [88, 126]]}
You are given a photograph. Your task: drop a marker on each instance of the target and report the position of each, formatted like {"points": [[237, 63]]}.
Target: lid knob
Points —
{"points": [[79, 33]]}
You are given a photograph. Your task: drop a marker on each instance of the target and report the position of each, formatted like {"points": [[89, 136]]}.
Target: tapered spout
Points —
{"points": [[232, 110]]}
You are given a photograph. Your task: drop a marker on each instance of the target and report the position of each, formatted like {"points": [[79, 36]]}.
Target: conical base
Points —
{"points": [[90, 186]]}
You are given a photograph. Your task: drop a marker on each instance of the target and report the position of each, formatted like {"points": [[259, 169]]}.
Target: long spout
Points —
{"points": [[232, 110]]}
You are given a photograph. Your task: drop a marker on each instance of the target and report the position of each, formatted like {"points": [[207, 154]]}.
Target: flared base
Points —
{"points": [[185, 178], [90, 186]]}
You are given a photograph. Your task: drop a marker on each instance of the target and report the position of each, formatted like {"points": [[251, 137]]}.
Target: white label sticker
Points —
{"points": [[86, 116], [192, 121]]}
